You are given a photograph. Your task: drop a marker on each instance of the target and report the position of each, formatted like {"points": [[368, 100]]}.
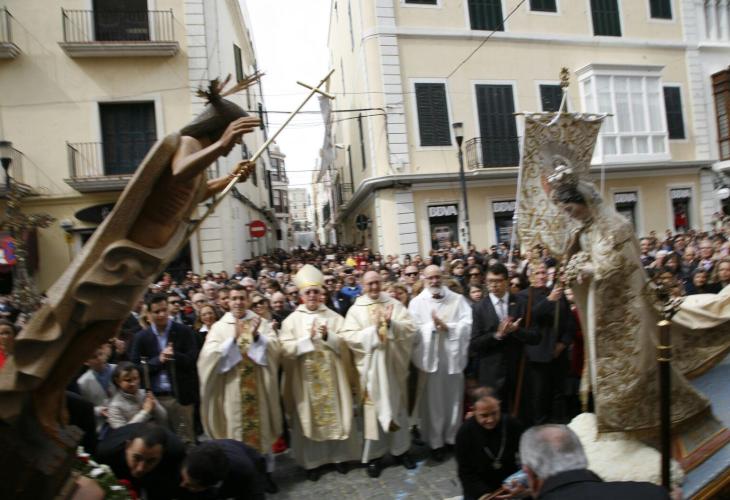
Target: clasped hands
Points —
{"points": [[441, 327], [167, 354], [507, 326], [318, 329], [254, 323]]}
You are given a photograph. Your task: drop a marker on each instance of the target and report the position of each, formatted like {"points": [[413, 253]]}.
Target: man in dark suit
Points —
{"points": [[557, 468], [169, 351], [174, 305], [547, 362], [337, 301], [498, 336], [146, 455], [224, 468]]}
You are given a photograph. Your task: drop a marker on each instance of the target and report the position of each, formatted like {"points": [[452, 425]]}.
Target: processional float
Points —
{"points": [[562, 143], [86, 307]]}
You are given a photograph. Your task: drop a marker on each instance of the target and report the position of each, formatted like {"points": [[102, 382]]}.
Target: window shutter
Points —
{"points": [[486, 15], [239, 63], [543, 5], [550, 97], [660, 9], [128, 131], [673, 107], [606, 20], [433, 114]]}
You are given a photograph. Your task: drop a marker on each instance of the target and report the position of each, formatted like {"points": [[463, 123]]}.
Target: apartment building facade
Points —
{"points": [[90, 85], [412, 68]]}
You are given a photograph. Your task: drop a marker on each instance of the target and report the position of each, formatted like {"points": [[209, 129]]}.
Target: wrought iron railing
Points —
{"points": [[486, 152], [15, 169], [98, 159], [85, 26]]}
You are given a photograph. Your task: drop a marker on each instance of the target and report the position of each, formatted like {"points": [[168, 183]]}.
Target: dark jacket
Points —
{"points": [[339, 303], [497, 360], [476, 473], [246, 478], [581, 484], [185, 349], [161, 482], [543, 320]]}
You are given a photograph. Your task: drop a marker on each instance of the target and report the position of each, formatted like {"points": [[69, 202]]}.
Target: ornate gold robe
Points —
{"points": [[239, 391], [317, 388], [316, 385], [382, 363], [620, 325]]}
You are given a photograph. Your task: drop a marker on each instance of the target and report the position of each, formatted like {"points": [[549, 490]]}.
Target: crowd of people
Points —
{"points": [[213, 374]]}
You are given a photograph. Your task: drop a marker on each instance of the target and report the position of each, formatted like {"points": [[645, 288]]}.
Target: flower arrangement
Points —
{"points": [[114, 489]]}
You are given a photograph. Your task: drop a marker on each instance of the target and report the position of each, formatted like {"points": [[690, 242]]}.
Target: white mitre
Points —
{"points": [[308, 276]]}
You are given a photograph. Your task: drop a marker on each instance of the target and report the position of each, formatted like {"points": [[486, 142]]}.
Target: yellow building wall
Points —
{"points": [[572, 19], [524, 66]]}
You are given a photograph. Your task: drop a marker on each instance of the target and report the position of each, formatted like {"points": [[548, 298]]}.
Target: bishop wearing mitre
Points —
{"points": [[379, 332], [318, 381]]}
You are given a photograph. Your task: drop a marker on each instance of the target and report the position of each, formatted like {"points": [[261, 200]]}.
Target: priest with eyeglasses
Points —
{"points": [[318, 381]]}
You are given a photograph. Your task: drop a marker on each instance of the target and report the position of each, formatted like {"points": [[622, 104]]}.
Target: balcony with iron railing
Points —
{"points": [[89, 33], [492, 152], [99, 166], [16, 172], [8, 48]]}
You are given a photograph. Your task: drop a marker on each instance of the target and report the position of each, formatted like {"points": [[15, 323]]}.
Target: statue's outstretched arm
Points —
{"points": [[193, 156]]}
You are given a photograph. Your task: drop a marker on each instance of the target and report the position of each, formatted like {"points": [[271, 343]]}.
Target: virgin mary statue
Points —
{"points": [[620, 318]]}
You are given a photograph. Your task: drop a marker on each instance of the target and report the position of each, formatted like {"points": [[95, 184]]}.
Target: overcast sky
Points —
{"points": [[290, 37]]}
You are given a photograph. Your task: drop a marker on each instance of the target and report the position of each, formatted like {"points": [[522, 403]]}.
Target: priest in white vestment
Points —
{"points": [[379, 332], [239, 391], [440, 351], [318, 381]]}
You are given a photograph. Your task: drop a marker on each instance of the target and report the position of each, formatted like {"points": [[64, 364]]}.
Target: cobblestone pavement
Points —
{"points": [[430, 480]]}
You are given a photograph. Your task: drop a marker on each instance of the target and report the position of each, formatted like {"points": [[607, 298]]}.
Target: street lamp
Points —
{"points": [[459, 135], [6, 158]]}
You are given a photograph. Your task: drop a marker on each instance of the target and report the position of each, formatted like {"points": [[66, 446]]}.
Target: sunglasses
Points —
{"points": [[257, 303], [411, 274]]}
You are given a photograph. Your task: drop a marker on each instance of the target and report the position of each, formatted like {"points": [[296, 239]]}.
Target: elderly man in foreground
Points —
{"points": [[379, 331], [317, 383], [443, 319], [557, 468]]}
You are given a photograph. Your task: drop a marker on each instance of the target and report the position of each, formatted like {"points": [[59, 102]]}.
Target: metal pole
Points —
{"points": [[664, 358], [462, 178]]}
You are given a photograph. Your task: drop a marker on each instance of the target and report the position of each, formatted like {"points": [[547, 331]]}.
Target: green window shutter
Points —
{"points": [[606, 19], [673, 107], [433, 114], [486, 15]]}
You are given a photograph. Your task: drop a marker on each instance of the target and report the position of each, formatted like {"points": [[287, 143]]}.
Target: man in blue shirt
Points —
{"points": [[168, 352], [352, 288]]}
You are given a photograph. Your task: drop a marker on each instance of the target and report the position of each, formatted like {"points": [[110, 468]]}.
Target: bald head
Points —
{"points": [[371, 284], [432, 276]]}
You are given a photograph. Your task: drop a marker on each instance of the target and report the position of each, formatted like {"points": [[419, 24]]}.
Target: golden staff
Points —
{"points": [[252, 161]]}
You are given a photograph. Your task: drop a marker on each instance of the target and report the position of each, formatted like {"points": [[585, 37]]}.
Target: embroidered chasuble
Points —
{"points": [[382, 355], [249, 393], [239, 390]]}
